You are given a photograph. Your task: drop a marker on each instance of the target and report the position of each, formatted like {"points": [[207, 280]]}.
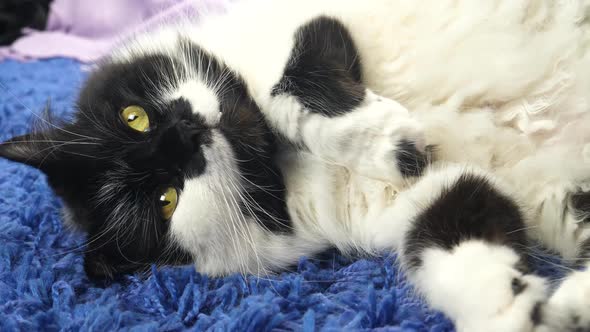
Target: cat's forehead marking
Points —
{"points": [[203, 100]]}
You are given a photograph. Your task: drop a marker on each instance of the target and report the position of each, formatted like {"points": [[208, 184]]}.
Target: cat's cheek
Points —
{"points": [[203, 222], [191, 222], [209, 202]]}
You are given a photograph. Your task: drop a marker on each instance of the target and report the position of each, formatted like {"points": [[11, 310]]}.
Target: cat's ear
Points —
{"points": [[42, 150], [27, 149], [48, 149], [99, 266]]}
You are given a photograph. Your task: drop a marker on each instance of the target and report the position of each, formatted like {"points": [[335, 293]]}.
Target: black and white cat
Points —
{"points": [[453, 132]]}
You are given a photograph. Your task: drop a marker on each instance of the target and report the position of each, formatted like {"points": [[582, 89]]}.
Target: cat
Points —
{"points": [[452, 132]]}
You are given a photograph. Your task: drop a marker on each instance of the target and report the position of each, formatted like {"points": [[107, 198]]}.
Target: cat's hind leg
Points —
{"points": [[322, 105], [465, 253], [568, 308], [464, 248]]}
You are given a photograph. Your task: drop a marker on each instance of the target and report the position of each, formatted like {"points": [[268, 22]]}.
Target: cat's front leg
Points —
{"points": [[321, 104], [377, 139]]}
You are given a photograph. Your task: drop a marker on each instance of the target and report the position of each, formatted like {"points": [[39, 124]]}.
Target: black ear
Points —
{"points": [[52, 146], [30, 149], [100, 266], [65, 157], [44, 149]]}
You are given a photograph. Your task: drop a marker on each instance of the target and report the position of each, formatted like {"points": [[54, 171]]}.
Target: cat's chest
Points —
{"points": [[326, 198]]}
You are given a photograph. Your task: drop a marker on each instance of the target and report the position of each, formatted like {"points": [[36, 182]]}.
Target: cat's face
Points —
{"points": [[161, 153]]}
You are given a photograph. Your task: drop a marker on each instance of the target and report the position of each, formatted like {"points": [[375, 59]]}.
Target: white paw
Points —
{"points": [[563, 219], [481, 288], [568, 309], [516, 312], [385, 142]]}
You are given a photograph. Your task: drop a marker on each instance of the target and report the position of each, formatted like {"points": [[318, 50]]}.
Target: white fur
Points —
{"points": [[568, 306], [209, 223], [364, 140], [203, 100], [503, 85], [472, 284]]}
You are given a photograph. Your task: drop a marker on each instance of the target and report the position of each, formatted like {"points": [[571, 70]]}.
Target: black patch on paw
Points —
{"points": [[324, 69], [537, 314], [584, 253], [518, 286], [471, 208], [580, 203], [523, 266], [410, 160], [576, 319]]}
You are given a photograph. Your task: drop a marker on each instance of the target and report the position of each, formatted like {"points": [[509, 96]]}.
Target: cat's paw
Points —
{"points": [[386, 143], [521, 312], [564, 220], [517, 312], [483, 288], [578, 214], [568, 309], [503, 298], [579, 204]]}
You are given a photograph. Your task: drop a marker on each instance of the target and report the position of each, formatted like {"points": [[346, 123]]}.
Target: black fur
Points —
{"points": [[410, 160], [252, 141], [18, 14], [324, 69], [518, 286], [580, 203], [471, 208], [537, 314], [108, 154]]}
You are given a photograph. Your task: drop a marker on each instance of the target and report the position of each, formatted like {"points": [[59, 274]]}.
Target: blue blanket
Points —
{"points": [[43, 285]]}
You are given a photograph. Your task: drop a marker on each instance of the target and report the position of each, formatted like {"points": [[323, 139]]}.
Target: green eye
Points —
{"points": [[168, 202], [136, 118]]}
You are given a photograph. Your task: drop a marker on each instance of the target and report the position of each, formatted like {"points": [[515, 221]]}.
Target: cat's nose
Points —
{"points": [[191, 133], [177, 139], [183, 139]]}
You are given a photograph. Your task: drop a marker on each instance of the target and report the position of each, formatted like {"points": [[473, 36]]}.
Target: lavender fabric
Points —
{"points": [[86, 30]]}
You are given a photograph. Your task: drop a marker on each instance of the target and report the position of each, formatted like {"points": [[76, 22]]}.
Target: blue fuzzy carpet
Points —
{"points": [[43, 285]]}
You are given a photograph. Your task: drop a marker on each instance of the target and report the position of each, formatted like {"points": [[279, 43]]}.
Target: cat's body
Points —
{"points": [[277, 125]]}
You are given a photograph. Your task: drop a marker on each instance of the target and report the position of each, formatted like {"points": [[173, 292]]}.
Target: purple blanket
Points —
{"points": [[86, 30]]}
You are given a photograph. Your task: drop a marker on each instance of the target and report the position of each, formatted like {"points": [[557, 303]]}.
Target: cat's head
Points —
{"points": [[158, 165]]}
